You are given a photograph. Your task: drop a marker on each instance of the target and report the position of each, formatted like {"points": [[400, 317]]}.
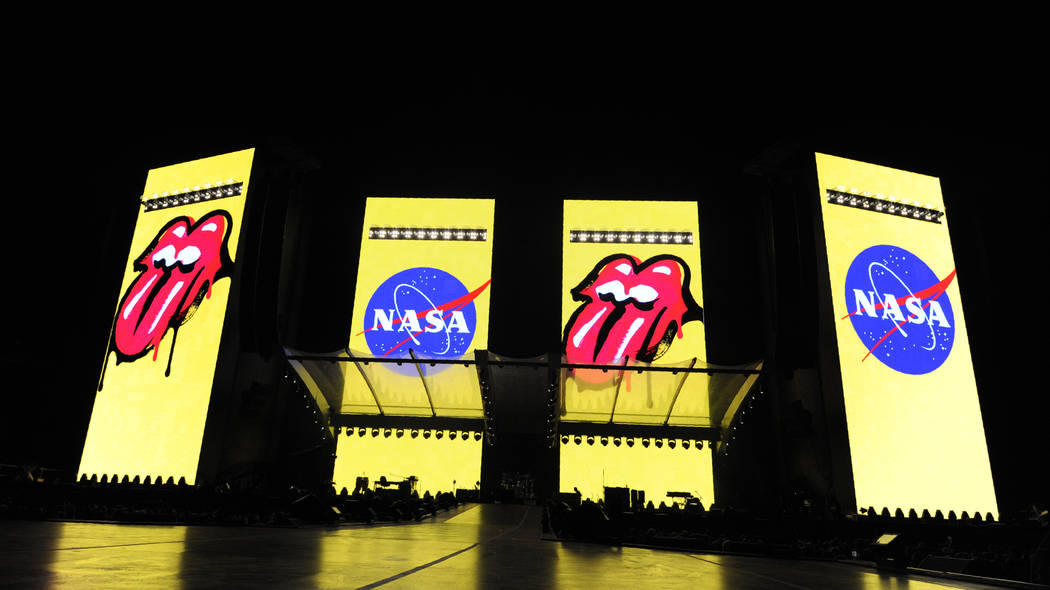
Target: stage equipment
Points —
{"points": [[916, 436]]}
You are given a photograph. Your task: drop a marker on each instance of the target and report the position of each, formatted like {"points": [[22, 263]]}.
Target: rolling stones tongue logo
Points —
{"points": [[631, 310], [176, 272]]}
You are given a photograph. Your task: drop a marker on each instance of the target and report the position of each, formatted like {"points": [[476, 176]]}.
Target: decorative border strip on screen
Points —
{"points": [[221, 190], [428, 233], [605, 236], [881, 204]]}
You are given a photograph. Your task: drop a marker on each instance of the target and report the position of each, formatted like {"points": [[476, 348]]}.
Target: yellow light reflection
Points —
{"points": [[656, 470], [91, 555], [442, 465]]}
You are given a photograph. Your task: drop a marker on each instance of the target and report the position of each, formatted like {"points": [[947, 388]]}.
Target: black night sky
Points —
{"points": [[527, 136]]}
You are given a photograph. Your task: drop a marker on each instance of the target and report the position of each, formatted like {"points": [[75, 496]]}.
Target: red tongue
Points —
{"points": [[149, 311], [627, 334], [626, 337]]}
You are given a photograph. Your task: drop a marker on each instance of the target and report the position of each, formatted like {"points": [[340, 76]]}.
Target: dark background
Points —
{"points": [[528, 136]]}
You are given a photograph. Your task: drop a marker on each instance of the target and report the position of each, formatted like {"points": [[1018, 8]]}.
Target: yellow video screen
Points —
{"points": [[439, 464], [657, 470], [423, 292], [632, 295], [152, 401], [914, 419]]}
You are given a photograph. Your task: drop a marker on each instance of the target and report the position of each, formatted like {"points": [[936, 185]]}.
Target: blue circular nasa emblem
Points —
{"points": [[425, 310], [899, 309]]}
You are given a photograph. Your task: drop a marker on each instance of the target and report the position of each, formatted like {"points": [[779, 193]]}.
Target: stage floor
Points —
{"points": [[477, 546]]}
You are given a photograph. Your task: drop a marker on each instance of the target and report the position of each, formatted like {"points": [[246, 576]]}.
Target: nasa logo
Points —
{"points": [[423, 309], [899, 310]]}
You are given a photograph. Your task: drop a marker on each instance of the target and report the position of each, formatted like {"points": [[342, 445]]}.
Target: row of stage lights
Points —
{"points": [[630, 441], [412, 433], [427, 233], [884, 204], [197, 194], [630, 237]]}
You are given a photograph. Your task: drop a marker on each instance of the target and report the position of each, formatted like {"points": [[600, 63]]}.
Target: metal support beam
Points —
{"points": [[368, 381], [407, 422], [481, 360], [708, 433], [530, 363], [419, 369], [616, 396], [677, 391]]}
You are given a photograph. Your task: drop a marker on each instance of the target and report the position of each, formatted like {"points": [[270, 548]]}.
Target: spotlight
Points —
{"points": [[439, 434], [477, 436], [645, 443], [362, 431], [659, 443], [464, 435], [605, 441], [685, 444], [338, 430], [616, 441], [576, 439], [452, 435], [386, 433], [670, 443], [699, 444], [590, 440], [630, 442], [426, 434], [375, 432], [414, 433], [400, 432], [564, 440]]}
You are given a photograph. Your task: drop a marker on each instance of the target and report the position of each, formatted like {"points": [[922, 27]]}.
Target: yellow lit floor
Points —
{"points": [[479, 546]]}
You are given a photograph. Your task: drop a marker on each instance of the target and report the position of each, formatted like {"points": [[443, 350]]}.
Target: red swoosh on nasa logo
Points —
{"points": [[449, 307], [932, 291]]}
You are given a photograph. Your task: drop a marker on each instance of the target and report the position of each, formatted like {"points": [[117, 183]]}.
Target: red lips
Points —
{"points": [[632, 310], [177, 271]]}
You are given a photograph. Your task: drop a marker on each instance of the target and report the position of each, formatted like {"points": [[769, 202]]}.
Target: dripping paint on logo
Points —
{"points": [[175, 275]]}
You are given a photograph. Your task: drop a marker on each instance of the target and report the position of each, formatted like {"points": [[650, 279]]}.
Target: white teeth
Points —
{"points": [[210, 227], [624, 268], [615, 288], [165, 254], [643, 293], [189, 255], [662, 270], [179, 231], [640, 293]]}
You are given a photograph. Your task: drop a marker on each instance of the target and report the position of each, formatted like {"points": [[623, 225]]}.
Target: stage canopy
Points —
{"points": [[415, 386]]}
